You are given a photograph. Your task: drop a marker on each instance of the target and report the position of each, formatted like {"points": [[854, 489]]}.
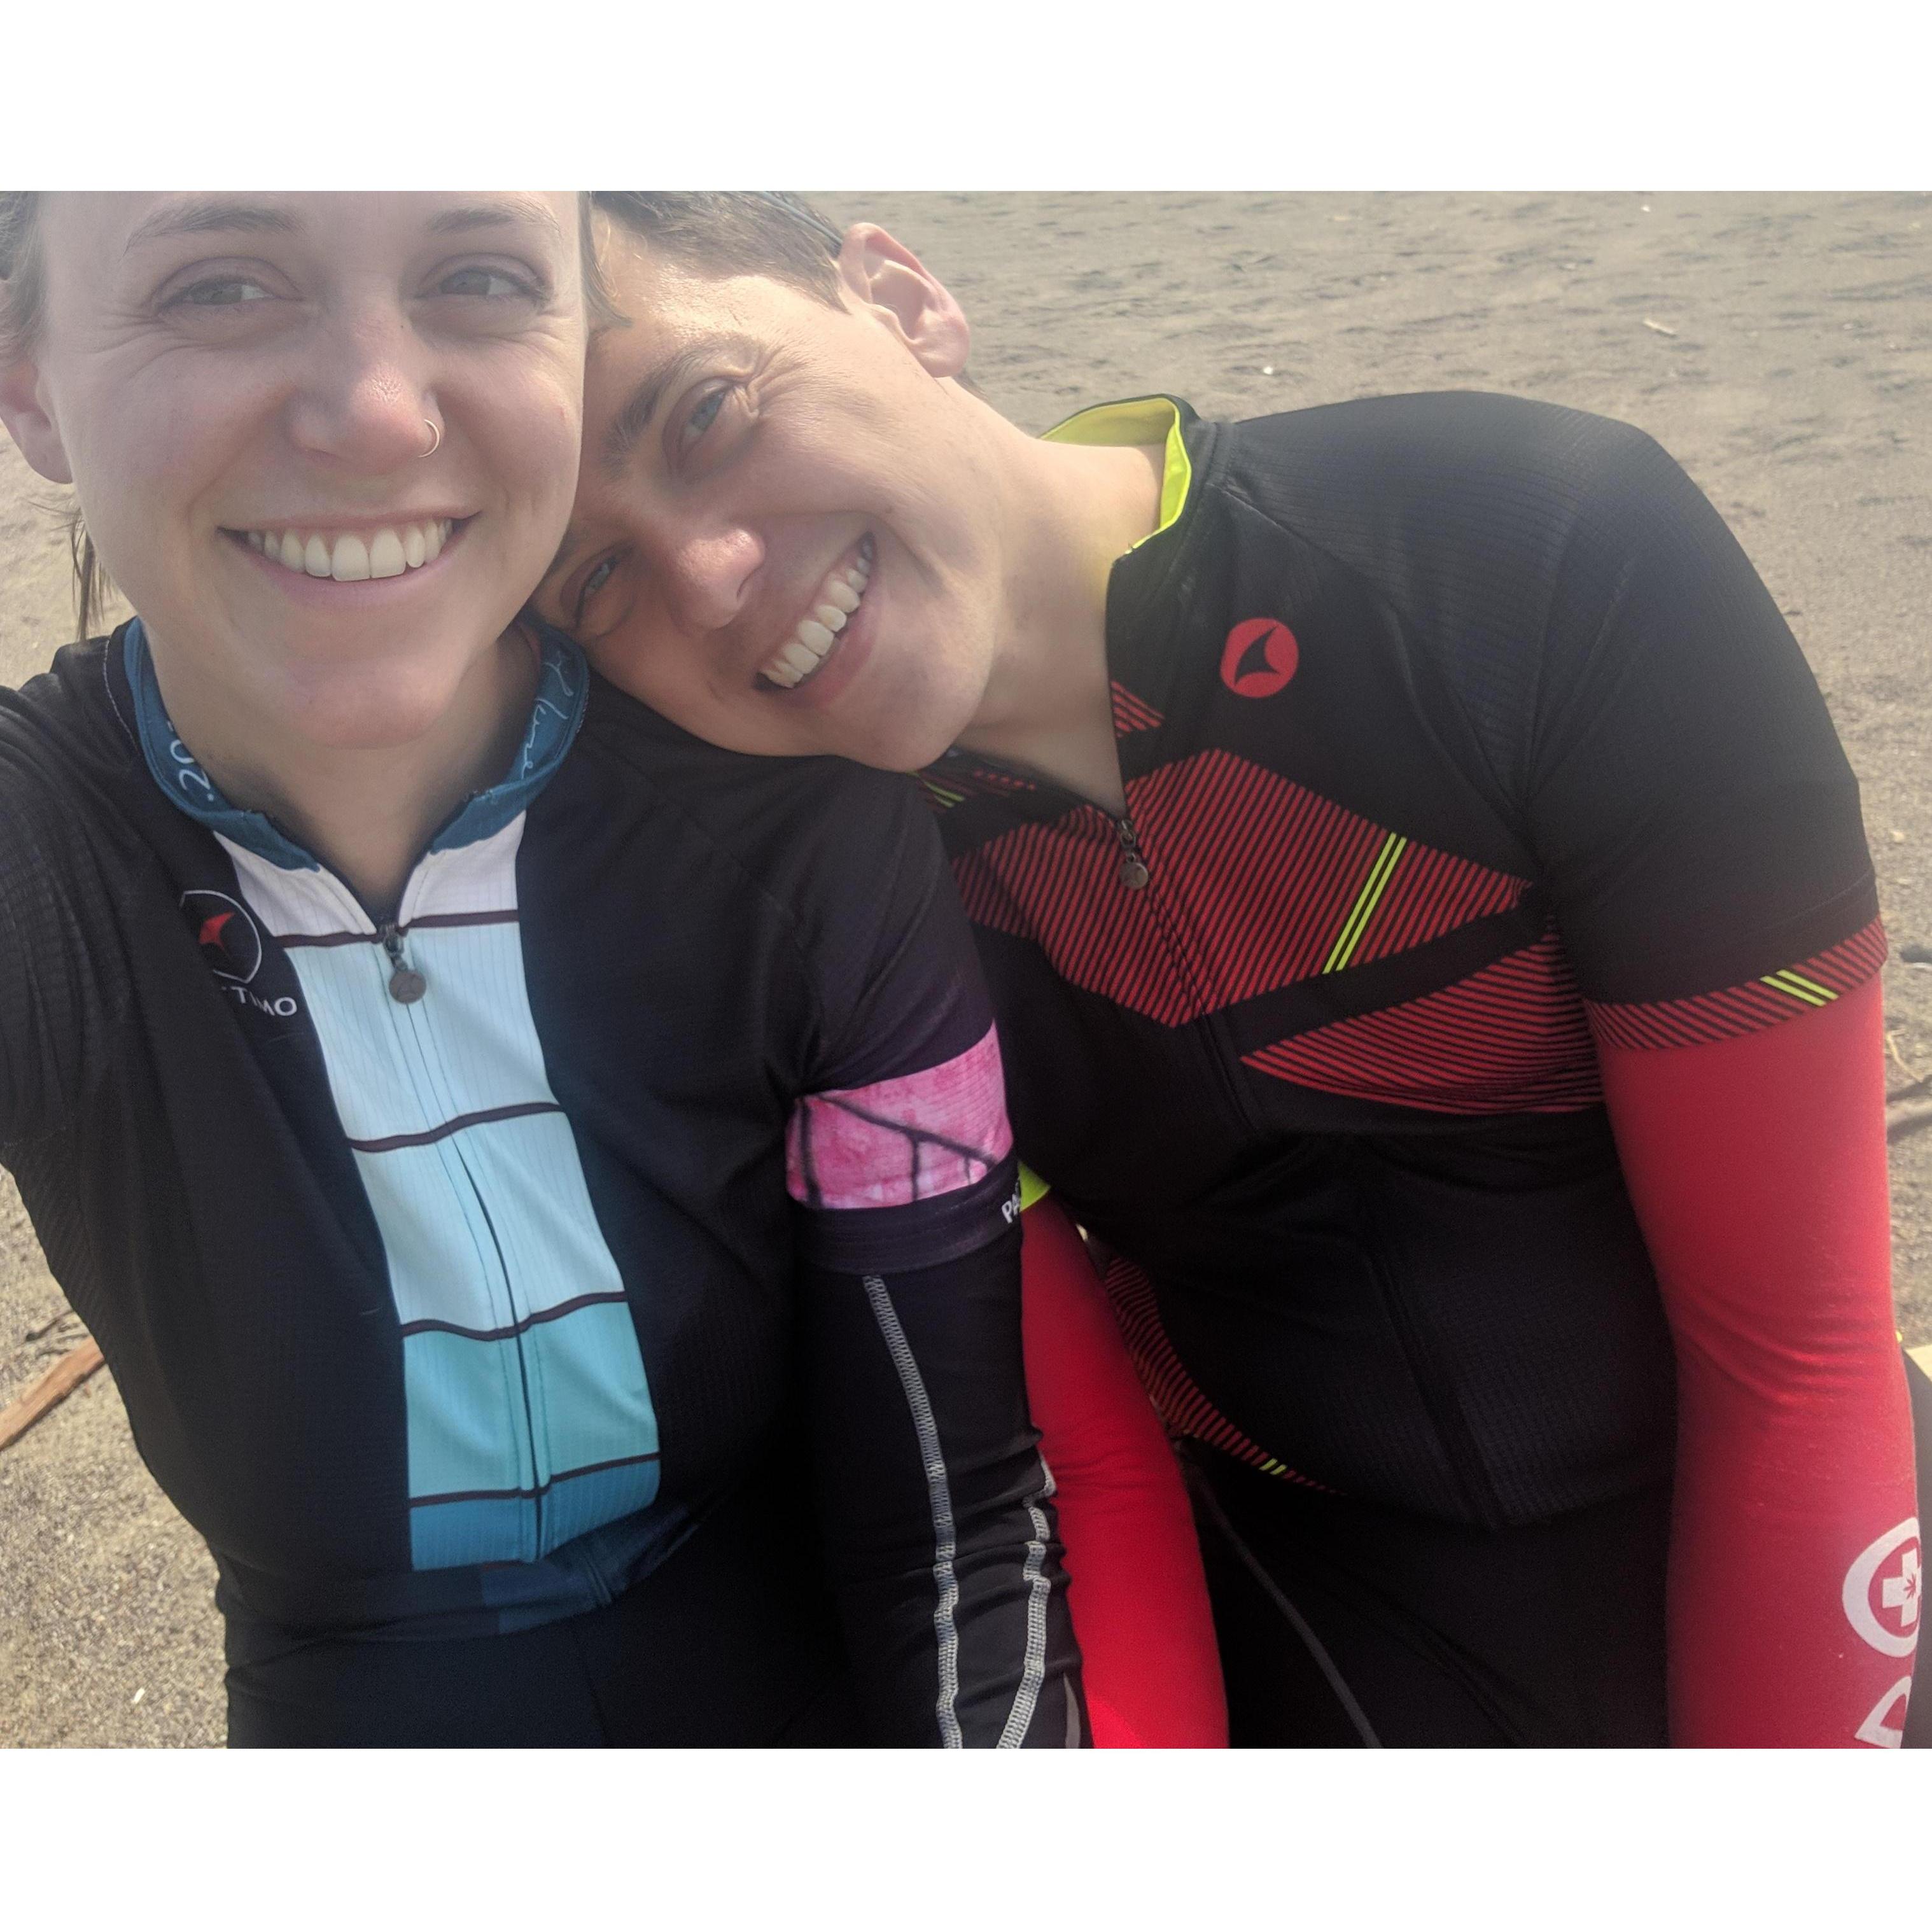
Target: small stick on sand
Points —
{"points": [[1660, 327], [53, 1388]]}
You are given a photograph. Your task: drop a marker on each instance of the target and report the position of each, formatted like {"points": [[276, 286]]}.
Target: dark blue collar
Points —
{"points": [[562, 691]]}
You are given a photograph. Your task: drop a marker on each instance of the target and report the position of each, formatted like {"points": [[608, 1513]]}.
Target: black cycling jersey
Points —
{"points": [[1457, 733], [447, 1268]]}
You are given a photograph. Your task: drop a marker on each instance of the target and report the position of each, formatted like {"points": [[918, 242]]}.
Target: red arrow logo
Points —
{"points": [[1269, 640]]}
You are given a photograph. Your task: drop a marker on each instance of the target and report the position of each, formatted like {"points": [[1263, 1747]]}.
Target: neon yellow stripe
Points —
{"points": [[1032, 1188], [940, 792], [1144, 419], [1803, 990], [1795, 978], [1346, 939], [1363, 910]]}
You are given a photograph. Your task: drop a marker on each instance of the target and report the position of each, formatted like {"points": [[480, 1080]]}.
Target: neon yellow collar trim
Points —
{"points": [[1146, 419]]}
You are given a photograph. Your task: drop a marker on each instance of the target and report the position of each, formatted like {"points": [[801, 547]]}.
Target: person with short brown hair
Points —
{"points": [[1430, 919]]}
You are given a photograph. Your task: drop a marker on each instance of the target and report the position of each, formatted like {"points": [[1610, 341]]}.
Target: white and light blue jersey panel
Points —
{"points": [[530, 1421]]}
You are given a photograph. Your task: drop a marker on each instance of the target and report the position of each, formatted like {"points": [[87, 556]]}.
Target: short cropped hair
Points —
{"points": [[780, 236]]}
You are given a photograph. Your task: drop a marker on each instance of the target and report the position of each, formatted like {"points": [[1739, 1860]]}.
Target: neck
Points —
{"points": [[368, 815], [1047, 706]]}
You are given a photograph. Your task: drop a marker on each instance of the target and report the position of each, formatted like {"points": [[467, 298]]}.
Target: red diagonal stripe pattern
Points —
{"points": [[1509, 1039], [1254, 878], [1059, 886], [1736, 1009], [1131, 713], [1179, 1402], [1430, 893]]}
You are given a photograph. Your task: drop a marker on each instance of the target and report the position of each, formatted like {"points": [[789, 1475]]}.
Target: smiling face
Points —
{"points": [[787, 535], [242, 387]]}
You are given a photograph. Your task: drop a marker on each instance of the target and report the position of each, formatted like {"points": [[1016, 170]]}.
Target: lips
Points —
{"points": [[833, 605]]}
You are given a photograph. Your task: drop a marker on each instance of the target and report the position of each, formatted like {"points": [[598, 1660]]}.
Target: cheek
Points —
{"points": [[145, 471], [155, 448], [527, 423], [554, 423]]}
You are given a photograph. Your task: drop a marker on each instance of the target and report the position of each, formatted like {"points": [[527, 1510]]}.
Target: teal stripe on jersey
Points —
{"points": [[474, 1178], [578, 1378], [467, 1417], [489, 1226], [443, 1535]]}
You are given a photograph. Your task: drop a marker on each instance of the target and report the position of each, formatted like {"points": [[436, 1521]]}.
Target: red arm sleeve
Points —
{"points": [[1138, 1598], [1757, 1168]]}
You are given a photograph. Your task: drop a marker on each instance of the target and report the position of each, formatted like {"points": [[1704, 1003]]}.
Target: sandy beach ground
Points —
{"points": [[1780, 347]]}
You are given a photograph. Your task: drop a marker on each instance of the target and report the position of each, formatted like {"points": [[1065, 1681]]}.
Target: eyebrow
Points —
{"points": [[630, 422], [206, 214], [513, 210], [635, 418]]}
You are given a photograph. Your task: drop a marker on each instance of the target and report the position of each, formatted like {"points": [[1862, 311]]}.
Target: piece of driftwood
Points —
{"points": [[53, 1388]]}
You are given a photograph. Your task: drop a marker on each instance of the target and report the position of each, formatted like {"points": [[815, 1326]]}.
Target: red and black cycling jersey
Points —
{"points": [[460, 1270], [1457, 735]]}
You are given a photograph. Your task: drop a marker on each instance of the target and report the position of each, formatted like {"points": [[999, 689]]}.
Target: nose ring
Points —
{"points": [[436, 437]]}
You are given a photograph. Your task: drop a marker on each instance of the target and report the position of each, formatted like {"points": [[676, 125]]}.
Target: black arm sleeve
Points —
{"points": [[54, 1001], [939, 1532]]}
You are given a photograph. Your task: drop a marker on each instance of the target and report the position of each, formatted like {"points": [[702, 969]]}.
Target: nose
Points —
{"points": [[708, 571], [364, 402]]}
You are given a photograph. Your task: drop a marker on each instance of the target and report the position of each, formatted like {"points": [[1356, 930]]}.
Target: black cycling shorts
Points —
{"points": [[1341, 1623], [1344, 1624], [731, 1641]]}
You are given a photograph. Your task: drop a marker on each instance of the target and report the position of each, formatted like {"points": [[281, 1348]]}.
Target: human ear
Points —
{"points": [[885, 277], [23, 409]]}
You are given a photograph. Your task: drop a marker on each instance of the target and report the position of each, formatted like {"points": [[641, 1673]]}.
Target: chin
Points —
{"points": [[378, 707], [915, 730]]}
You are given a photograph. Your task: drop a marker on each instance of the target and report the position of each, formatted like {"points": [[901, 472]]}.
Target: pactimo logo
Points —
{"points": [[1881, 1590], [231, 942], [1259, 657]]}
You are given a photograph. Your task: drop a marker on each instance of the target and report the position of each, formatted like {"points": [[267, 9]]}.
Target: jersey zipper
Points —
{"points": [[1133, 870], [406, 986], [1136, 875]]}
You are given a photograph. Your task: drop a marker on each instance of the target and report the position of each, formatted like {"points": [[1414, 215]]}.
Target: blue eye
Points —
{"points": [[491, 284], [701, 417], [223, 292]]}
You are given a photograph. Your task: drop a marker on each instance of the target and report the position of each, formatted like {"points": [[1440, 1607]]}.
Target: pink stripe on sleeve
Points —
{"points": [[901, 1140]]}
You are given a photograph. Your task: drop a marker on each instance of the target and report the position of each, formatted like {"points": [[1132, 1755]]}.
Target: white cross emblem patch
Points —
{"points": [[1892, 1565], [1900, 1593]]}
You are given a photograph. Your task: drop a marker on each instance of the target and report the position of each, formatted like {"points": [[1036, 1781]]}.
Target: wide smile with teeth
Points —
{"points": [[352, 557], [833, 605]]}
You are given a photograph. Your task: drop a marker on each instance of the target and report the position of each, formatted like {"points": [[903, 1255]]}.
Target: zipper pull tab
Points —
{"points": [[1133, 867], [407, 985]]}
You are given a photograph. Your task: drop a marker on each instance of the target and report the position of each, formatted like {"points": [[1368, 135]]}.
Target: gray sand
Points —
{"points": [[1797, 389]]}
